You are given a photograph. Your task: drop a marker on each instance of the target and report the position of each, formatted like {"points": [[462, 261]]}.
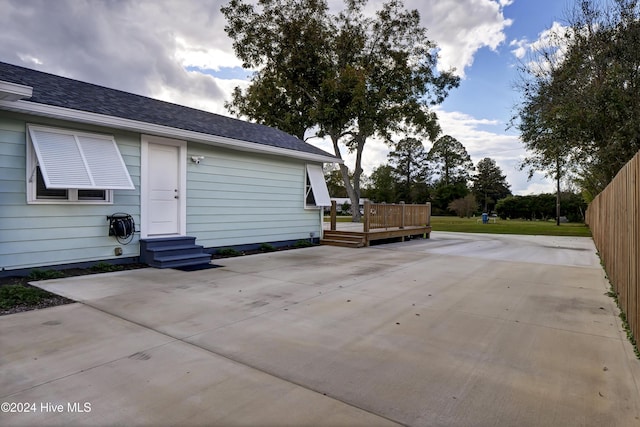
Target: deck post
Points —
{"points": [[402, 216], [367, 209], [333, 215], [428, 208]]}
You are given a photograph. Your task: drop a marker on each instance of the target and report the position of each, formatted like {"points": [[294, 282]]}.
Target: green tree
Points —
{"points": [[489, 184], [382, 185], [352, 75], [580, 111], [450, 158], [335, 185], [285, 41], [442, 195], [541, 206], [409, 162], [465, 206]]}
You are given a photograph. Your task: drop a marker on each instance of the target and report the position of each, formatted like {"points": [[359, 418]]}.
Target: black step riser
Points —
{"points": [[158, 253], [179, 263], [173, 241]]}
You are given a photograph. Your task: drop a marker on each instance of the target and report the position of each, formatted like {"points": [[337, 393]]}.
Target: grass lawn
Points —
{"points": [[542, 228], [471, 225]]}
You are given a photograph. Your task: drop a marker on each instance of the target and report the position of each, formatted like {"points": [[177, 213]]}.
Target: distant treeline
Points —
{"points": [[542, 207]]}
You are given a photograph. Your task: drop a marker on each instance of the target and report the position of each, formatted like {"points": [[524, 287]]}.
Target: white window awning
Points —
{"points": [[318, 185], [70, 159]]}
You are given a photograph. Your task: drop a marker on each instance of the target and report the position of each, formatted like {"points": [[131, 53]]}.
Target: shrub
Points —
{"points": [[303, 244], [16, 295], [105, 267], [228, 252], [266, 247], [37, 274]]}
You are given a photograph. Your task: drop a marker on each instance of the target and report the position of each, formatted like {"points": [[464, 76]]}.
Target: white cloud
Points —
{"points": [[29, 59], [462, 27], [203, 56], [144, 47], [548, 50]]}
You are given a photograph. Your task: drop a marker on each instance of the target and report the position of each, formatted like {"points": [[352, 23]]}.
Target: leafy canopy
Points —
{"points": [[489, 184], [409, 162], [451, 160], [580, 111], [348, 76]]}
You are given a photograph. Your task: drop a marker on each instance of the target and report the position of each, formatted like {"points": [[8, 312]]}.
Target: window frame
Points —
{"points": [[73, 194]]}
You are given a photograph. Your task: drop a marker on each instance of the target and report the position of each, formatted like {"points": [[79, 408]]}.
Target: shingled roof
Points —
{"points": [[49, 89]]}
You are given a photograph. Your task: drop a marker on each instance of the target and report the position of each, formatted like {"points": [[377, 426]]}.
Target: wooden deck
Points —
{"points": [[355, 237], [381, 222]]}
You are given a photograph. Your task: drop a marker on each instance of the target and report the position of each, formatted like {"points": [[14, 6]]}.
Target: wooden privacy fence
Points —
{"points": [[614, 219], [382, 215]]}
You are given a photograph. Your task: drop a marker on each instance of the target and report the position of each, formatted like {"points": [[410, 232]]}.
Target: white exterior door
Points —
{"points": [[164, 206]]}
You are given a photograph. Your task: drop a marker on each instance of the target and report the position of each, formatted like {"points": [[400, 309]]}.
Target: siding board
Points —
{"points": [[233, 198], [38, 234], [243, 198]]}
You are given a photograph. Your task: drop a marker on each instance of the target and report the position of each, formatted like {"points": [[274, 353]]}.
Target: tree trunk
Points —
{"points": [[357, 173], [351, 192], [558, 192]]}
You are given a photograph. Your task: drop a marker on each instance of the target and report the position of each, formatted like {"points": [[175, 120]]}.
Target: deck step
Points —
{"points": [[171, 252], [343, 238], [342, 243]]}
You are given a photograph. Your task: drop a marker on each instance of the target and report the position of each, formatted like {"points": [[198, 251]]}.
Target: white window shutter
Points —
{"points": [[60, 160], [71, 159], [106, 166], [318, 185]]}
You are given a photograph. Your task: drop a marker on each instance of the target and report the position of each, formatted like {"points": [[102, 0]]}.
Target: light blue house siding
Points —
{"points": [[234, 198], [33, 235], [237, 198]]}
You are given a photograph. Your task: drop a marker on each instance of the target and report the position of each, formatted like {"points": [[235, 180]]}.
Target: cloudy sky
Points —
{"points": [[177, 51]]}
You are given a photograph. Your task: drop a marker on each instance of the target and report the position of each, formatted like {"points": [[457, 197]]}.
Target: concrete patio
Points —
{"points": [[458, 330]]}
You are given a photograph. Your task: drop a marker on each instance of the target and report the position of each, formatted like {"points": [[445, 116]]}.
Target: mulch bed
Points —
{"points": [[52, 300]]}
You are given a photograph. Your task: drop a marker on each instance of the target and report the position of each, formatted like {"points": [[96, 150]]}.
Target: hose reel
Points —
{"points": [[121, 226]]}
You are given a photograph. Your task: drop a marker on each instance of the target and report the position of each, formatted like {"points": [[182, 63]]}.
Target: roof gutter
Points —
{"points": [[159, 130]]}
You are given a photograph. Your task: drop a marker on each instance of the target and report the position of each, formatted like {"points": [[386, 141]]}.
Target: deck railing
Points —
{"points": [[614, 219], [383, 215]]}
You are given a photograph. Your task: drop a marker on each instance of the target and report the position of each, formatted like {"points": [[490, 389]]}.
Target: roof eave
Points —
{"points": [[159, 130], [12, 92]]}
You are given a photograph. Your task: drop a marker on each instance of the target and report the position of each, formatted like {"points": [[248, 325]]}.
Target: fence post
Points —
{"points": [[333, 215], [367, 209], [402, 216]]}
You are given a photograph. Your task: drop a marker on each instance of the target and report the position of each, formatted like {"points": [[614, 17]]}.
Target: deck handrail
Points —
{"points": [[390, 215]]}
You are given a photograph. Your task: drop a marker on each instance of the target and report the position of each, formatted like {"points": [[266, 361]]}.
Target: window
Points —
{"points": [[316, 193], [70, 166]]}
